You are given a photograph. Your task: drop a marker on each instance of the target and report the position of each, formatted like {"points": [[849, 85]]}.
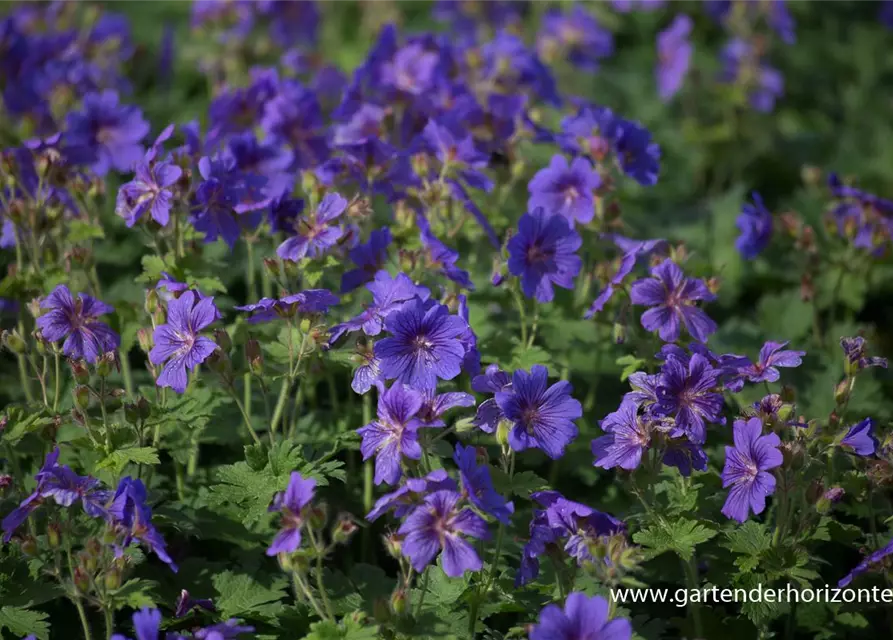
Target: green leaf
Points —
{"points": [[22, 420], [679, 536], [750, 538], [630, 364], [524, 358], [785, 314], [120, 458], [81, 230], [22, 622], [136, 593], [240, 594]]}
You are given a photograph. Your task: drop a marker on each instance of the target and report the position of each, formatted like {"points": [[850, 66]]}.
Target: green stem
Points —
{"points": [[126, 374], [245, 417], [105, 418], [82, 614], [300, 586], [519, 303], [320, 584], [23, 376], [367, 482], [424, 589], [280, 406], [691, 577], [56, 383], [109, 622]]}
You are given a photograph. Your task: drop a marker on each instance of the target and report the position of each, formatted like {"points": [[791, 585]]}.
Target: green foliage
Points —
{"points": [[22, 622], [679, 536]]}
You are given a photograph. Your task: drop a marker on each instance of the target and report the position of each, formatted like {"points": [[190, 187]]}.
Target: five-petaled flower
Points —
{"points": [[672, 297], [75, 320], [746, 472], [543, 253], [291, 505], [178, 341]]}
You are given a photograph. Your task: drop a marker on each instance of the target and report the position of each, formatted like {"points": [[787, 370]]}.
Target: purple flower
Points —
{"points": [[411, 70], [565, 189], [747, 469], [186, 604], [637, 155], [685, 455], [687, 392], [437, 526], [231, 628], [627, 439], [562, 519], [311, 301], [673, 56], [368, 374], [318, 235], [146, 624], [130, 514], [223, 199], [742, 64], [75, 320], [575, 35], [408, 495], [290, 504], [178, 341], [542, 417], [865, 565], [672, 296], [854, 351], [294, 117], [543, 254], [755, 224], [772, 355], [369, 258], [64, 486], [583, 618], [389, 294], [394, 433], [150, 191], [476, 483], [105, 134], [488, 413], [425, 345], [627, 262], [860, 439]]}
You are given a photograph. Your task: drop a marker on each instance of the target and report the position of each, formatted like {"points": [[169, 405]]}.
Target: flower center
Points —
{"points": [[529, 418], [422, 343], [536, 254]]}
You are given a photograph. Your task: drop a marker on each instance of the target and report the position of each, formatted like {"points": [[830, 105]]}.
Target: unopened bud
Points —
{"points": [[114, 399], [344, 529], [271, 266], [317, 516], [131, 414], [106, 362], [255, 357], [842, 392], [158, 316], [221, 337], [151, 305], [14, 342], [29, 546], [82, 397], [54, 535], [41, 345], [619, 333], [502, 432], [398, 602], [81, 580], [394, 545], [112, 579], [144, 408], [145, 339], [5, 481]]}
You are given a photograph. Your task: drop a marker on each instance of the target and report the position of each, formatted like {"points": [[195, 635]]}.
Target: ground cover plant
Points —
{"points": [[444, 320]]}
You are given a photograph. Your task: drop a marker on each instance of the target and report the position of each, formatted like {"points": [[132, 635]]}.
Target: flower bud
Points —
{"points": [[842, 392], [82, 397], [344, 529], [393, 543], [81, 580], [112, 579], [151, 305], [317, 516], [145, 339], [29, 546], [144, 408], [158, 316], [54, 535], [398, 602], [14, 342], [40, 345], [131, 414], [619, 333], [255, 357], [502, 432], [114, 399], [221, 337], [106, 362], [271, 266]]}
